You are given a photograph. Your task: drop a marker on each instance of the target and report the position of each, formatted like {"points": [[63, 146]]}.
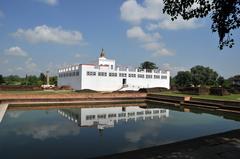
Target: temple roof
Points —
{"points": [[102, 54]]}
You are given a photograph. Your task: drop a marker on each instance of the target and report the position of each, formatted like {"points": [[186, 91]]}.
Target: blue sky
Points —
{"points": [[40, 35]]}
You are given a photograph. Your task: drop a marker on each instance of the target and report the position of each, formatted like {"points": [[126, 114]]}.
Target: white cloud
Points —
{"points": [[150, 42], [138, 33], [15, 51], [174, 25], [15, 114], [48, 34], [172, 68], [133, 12], [78, 55], [19, 68], [46, 131], [50, 2], [151, 11], [158, 49], [30, 65], [150, 129]]}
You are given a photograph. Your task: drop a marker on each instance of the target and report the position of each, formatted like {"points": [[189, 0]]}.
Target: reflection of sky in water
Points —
{"points": [[47, 134]]}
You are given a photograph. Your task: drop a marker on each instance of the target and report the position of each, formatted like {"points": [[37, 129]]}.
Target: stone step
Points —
{"points": [[200, 105], [3, 108]]}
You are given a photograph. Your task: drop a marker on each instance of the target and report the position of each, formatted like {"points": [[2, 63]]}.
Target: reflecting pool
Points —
{"points": [[90, 132]]}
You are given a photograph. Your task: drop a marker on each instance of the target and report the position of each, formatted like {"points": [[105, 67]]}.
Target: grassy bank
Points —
{"points": [[235, 97]]}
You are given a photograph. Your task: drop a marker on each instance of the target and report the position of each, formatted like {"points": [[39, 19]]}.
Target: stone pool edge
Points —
{"points": [[221, 145], [30, 100]]}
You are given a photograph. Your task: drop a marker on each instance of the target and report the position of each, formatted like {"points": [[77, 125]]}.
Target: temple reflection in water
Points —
{"points": [[101, 118]]}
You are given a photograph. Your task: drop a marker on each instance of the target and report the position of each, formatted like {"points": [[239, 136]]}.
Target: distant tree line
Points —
{"points": [[28, 80], [202, 76], [197, 76]]}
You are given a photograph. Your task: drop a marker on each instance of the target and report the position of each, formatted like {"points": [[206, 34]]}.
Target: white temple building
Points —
{"points": [[106, 76], [102, 118]]}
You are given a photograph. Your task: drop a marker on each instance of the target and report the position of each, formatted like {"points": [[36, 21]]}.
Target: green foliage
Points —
{"points": [[220, 81], [1, 79], [224, 15], [198, 76], [33, 80], [30, 80], [235, 80], [203, 76], [42, 78], [148, 65], [227, 83], [183, 78], [172, 81], [53, 80], [13, 80]]}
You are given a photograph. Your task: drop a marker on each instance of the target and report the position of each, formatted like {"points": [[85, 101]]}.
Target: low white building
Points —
{"points": [[101, 118], [105, 76]]}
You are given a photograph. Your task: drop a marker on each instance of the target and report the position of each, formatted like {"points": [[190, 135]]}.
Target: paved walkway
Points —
{"points": [[218, 146], [3, 108]]}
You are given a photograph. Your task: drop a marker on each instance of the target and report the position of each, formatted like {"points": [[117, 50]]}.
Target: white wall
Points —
{"points": [[99, 83], [104, 61], [110, 83], [90, 116], [107, 83], [73, 81]]}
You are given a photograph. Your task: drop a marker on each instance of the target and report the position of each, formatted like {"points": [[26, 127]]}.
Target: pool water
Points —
{"points": [[91, 132]]}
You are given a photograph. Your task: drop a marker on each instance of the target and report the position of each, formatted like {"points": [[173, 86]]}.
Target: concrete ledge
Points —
{"points": [[222, 145], [67, 105], [233, 106]]}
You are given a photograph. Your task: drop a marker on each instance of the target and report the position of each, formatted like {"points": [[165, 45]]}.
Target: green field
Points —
{"points": [[235, 97]]}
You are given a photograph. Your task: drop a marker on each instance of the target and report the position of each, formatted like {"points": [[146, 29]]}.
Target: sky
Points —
{"points": [[41, 35]]}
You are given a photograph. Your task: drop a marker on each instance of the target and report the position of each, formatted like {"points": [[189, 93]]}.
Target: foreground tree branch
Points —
{"points": [[225, 15]]}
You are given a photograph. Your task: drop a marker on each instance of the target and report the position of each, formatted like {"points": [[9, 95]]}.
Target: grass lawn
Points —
{"points": [[235, 97], [38, 92]]}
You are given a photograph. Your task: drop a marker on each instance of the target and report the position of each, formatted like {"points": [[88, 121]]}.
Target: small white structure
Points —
{"points": [[105, 76], [101, 118]]}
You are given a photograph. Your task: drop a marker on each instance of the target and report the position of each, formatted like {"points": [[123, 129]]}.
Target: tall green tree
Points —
{"points": [[42, 78], [148, 65], [225, 15], [203, 75], [183, 78], [220, 81], [1, 79]]}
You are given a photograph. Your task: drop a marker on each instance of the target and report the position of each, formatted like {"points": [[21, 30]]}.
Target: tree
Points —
{"points": [[13, 80], [220, 81], [203, 75], [235, 80], [33, 80], [53, 80], [183, 78], [42, 78], [148, 65], [1, 79], [172, 81], [225, 15]]}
